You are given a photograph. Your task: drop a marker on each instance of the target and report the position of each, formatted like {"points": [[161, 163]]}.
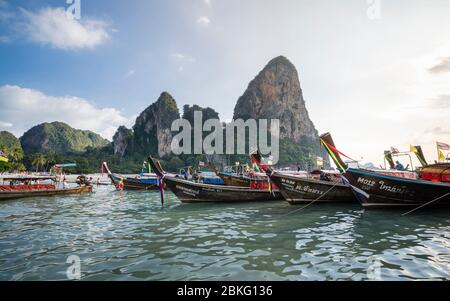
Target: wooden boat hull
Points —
{"points": [[381, 191], [189, 192], [134, 184], [297, 190], [11, 195]]}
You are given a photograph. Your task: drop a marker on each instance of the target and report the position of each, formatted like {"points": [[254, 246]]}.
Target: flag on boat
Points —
{"points": [[394, 150], [388, 158], [146, 167], [443, 146], [440, 148], [417, 150], [256, 167]]}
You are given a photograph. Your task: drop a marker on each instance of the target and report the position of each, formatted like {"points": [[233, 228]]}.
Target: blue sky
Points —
{"points": [[102, 70]]}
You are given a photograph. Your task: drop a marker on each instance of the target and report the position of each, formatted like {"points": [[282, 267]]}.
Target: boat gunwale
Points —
{"points": [[310, 180], [13, 195], [393, 178], [221, 187]]}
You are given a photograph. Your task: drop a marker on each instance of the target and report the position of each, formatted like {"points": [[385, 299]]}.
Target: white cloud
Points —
{"points": [[179, 56], [207, 2], [442, 67], [5, 124], [26, 108], [203, 21], [183, 57], [130, 73], [51, 26], [182, 60]]}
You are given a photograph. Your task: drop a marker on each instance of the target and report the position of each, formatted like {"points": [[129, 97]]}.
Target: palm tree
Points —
{"points": [[16, 155], [51, 159], [39, 160]]}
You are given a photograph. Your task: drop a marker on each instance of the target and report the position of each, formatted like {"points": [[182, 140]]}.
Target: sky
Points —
{"points": [[374, 73]]}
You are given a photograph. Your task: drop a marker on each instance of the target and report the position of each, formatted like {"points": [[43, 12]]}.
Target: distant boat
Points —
{"points": [[190, 192], [375, 190], [205, 177], [144, 182], [252, 179], [25, 189], [303, 190]]}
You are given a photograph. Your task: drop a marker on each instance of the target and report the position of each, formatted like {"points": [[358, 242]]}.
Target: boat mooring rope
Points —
{"points": [[426, 204], [313, 201]]}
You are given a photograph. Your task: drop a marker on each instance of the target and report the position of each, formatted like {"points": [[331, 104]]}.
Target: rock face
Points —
{"points": [[152, 128], [275, 93], [60, 138], [122, 141]]}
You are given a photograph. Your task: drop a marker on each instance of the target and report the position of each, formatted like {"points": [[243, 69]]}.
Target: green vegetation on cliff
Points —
{"points": [[60, 138], [9, 142], [10, 145]]}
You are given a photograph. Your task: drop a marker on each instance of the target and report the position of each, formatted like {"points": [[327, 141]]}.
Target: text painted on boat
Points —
{"points": [[367, 184]]}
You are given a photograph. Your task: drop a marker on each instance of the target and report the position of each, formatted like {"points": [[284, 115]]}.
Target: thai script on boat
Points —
{"points": [[187, 191], [393, 189], [367, 183], [308, 189], [239, 135]]}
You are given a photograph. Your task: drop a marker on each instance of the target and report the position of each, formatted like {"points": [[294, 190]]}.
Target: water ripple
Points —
{"points": [[128, 236]]}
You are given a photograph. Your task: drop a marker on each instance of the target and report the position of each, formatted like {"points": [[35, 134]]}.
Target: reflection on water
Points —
{"points": [[127, 236]]}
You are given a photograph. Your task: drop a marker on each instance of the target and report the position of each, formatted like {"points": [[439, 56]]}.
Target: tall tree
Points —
{"points": [[16, 155], [39, 160]]}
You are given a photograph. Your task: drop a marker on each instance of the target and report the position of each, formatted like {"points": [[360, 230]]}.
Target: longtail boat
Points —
{"points": [[26, 190], [302, 190], [144, 182], [376, 190], [252, 179], [205, 177], [191, 192]]}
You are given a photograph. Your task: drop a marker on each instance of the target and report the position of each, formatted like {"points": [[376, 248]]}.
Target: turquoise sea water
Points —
{"points": [[127, 236]]}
